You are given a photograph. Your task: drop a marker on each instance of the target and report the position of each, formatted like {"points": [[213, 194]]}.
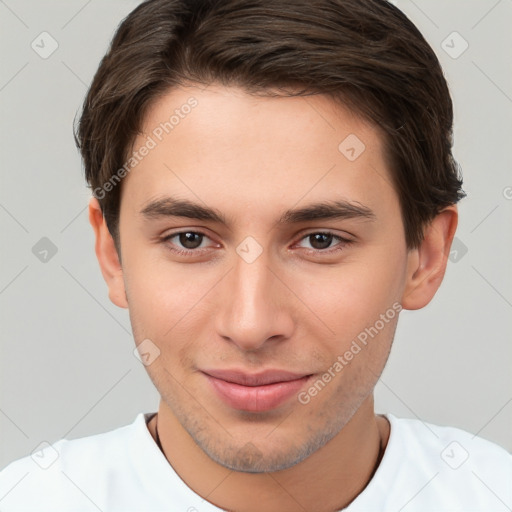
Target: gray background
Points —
{"points": [[67, 363]]}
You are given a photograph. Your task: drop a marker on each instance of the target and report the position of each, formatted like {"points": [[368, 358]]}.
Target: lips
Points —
{"points": [[255, 392]]}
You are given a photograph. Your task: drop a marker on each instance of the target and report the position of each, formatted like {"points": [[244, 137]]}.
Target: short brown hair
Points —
{"points": [[364, 53]]}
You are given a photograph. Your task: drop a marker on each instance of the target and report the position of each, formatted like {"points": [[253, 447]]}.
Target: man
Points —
{"points": [[273, 183]]}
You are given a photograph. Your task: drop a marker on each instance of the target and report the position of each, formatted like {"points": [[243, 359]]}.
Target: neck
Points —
{"points": [[330, 479]]}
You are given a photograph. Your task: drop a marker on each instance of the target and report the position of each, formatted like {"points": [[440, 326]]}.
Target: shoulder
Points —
{"points": [[66, 472], [453, 446], [447, 467]]}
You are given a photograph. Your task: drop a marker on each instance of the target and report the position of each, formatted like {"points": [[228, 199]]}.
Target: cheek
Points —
{"points": [[353, 296], [164, 298]]}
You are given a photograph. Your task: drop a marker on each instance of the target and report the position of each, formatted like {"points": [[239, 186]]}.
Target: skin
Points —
{"points": [[297, 307]]}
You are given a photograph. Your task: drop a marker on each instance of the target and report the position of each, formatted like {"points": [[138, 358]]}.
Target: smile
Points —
{"points": [[255, 393]]}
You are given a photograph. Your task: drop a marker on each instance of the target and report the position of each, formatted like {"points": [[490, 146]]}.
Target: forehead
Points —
{"points": [[225, 146], [265, 115]]}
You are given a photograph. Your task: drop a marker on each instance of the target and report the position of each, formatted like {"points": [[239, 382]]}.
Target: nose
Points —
{"points": [[255, 307]]}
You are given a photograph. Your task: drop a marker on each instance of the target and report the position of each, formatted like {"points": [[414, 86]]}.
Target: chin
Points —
{"points": [[249, 458]]}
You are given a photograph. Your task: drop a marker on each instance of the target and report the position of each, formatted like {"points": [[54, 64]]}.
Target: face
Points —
{"points": [[264, 257]]}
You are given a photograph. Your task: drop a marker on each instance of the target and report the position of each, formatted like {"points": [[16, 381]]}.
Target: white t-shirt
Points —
{"points": [[424, 468]]}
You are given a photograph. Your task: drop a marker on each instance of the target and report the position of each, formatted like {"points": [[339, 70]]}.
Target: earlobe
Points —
{"points": [[427, 263], [107, 255]]}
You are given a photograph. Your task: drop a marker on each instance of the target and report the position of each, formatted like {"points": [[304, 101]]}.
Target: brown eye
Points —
{"points": [[190, 240], [320, 240], [324, 242], [187, 242]]}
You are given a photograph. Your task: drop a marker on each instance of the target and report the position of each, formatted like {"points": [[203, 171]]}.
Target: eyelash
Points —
{"points": [[342, 243]]}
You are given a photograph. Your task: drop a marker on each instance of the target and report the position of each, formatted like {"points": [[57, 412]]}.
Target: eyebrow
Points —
{"points": [[338, 209]]}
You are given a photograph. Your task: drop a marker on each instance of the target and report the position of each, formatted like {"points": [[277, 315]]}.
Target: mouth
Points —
{"points": [[255, 392]]}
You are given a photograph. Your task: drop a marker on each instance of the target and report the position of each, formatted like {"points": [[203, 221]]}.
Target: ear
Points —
{"points": [[427, 263], [108, 258]]}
